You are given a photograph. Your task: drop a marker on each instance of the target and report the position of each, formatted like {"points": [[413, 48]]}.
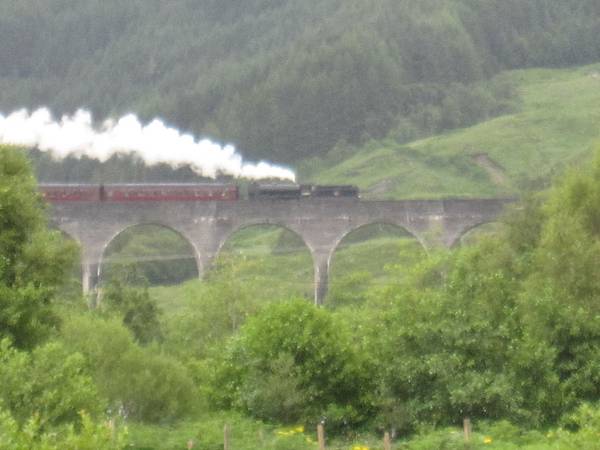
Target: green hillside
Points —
{"points": [[556, 124]]}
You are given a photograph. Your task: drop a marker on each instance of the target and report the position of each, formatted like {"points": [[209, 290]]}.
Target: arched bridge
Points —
{"points": [[321, 223]]}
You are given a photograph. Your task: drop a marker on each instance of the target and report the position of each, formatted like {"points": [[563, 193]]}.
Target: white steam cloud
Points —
{"points": [[154, 143]]}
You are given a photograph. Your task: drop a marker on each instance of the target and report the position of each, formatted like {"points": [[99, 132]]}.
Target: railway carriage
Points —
{"points": [[56, 193], [169, 192]]}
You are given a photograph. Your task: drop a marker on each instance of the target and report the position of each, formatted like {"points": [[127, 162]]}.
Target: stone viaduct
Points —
{"points": [[321, 223]]}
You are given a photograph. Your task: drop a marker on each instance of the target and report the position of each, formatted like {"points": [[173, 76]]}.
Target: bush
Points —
{"points": [[213, 311], [50, 382], [295, 362], [139, 312], [140, 382], [87, 436]]}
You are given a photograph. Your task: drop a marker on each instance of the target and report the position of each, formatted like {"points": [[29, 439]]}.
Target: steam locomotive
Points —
{"points": [[57, 193]]}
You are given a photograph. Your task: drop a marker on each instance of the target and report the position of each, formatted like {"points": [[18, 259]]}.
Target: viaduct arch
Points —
{"points": [[181, 234], [321, 223], [337, 244]]}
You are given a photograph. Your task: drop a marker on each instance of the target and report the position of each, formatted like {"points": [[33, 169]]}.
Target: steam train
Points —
{"points": [[57, 193]]}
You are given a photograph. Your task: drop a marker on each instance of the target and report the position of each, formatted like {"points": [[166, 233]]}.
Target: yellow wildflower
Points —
{"points": [[487, 440]]}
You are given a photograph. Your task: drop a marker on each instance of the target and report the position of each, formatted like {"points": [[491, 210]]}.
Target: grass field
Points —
{"points": [[556, 125]]}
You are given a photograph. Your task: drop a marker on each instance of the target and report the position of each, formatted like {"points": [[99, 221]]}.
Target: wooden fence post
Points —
{"points": [[321, 436], [467, 429], [226, 437], [387, 443]]}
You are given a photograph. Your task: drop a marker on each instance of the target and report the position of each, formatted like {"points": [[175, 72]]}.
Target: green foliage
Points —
{"points": [[562, 291], [88, 436], [50, 383], [297, 348], [508, 328], [206, 432], [139, 311], [442, 355], [275, 393], [368, 258], [154, 387], [503, 435], [351, 290], [33, 261], [140, 382], [255, 255], [213, 312], [458, 348]]}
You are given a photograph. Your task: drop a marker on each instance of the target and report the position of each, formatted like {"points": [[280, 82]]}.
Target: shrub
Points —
{"points": [[139, 381], [139, 312], [50, 382], [296, 349], [87, 436]]}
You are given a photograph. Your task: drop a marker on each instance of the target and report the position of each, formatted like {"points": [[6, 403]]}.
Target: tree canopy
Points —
{"points": [[33, 260]]}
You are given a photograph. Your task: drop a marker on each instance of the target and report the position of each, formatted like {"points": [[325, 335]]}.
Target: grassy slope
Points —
{"points": [[557, 124], [270, 275]]}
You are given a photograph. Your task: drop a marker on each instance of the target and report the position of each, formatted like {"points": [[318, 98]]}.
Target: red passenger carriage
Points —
{"points": [[57, 193], [169, 192]]}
